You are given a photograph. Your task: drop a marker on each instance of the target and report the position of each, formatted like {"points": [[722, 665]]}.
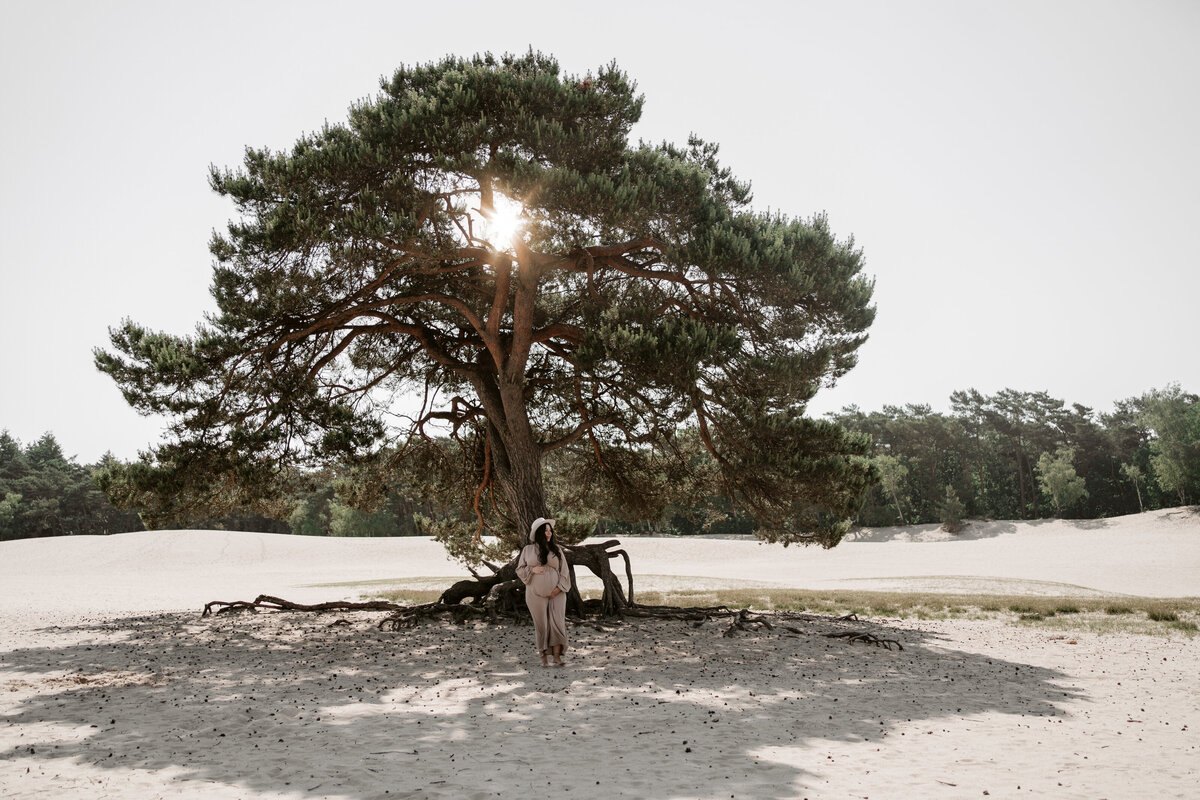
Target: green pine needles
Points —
{"points": [[640, 336]]}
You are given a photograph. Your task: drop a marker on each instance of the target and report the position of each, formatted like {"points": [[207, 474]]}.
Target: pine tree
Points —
{"points": [[950, 511], [482, 234]]}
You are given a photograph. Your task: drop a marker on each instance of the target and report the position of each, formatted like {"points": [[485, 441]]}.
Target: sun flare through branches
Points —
{"points": [[503, 222]]}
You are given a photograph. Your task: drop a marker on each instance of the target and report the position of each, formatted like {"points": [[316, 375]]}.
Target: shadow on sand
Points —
{"points": [[288, 703], [975, 530]]}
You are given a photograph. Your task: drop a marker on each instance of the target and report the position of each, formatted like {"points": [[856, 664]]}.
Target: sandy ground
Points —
{"points": [[112, 685]]}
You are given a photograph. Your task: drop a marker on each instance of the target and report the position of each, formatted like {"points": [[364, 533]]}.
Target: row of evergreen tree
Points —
{"points": [[1012, 455], [44, 493], [1026, 455]]}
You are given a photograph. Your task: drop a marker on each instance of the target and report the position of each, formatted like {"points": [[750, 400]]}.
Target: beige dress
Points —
{"points": [[549, 613]]}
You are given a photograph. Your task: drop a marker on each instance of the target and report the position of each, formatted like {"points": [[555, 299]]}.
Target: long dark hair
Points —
{"points": [[539, 538]]}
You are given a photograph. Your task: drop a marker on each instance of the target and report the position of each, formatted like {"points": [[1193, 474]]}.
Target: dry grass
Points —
{"points": [[406, 597], [1072, 614]]}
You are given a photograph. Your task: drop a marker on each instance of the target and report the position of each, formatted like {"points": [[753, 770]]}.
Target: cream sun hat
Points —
{"points": [[537, 523]]}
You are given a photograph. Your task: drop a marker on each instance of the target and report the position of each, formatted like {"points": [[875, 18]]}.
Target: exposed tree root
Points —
{"points": [[503, 587], [698, 615], [501, 595], [412, 616], [743, 621], [866, 638], [496, 608], [277, 604], [596, 557]]}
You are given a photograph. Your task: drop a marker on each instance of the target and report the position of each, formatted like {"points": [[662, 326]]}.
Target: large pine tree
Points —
{"points": [[483, 235]]}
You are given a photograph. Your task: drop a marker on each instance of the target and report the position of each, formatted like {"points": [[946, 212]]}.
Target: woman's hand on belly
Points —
{"points": [[545, 583]]}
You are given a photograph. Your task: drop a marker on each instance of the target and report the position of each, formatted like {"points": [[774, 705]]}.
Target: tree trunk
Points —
{"points": [[1033, 490], [515, 455], [1017, 455], [507, 593], [517, 464], [982, 501], [896, 500]]}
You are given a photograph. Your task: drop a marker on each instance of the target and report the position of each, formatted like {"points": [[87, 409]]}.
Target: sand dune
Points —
{"points": [[1155, 555], [111, 685]]}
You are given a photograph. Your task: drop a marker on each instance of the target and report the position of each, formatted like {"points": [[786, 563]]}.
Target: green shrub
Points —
{"points": [[950, 511]]}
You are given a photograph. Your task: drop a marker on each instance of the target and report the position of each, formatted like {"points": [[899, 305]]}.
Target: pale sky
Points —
{"points": [[1023, 177]]}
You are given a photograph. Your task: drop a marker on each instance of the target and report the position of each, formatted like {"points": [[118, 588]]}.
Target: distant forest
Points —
{"points": [[1012, 455], [1026, 455]]}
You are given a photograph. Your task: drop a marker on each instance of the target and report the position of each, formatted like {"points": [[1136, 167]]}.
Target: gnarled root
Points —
{"points": [[277, 604], [507, 602], [490, 596], [614, 601], [866, 638], [508, 594], [413, 616], [743, 621]]}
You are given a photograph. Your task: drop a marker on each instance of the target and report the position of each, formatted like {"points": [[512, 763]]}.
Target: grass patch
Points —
{"points": [[1162, 615], [1098, 615], [406, 597]]}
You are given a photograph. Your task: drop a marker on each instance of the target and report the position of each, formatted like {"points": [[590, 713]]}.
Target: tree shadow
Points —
{"points": [[1089, 524], [291, 703], [973, 530]]}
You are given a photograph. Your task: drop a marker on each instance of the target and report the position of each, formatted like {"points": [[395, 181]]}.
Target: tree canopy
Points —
{"points": [[45, 493], [586, 322], [1021, 455]]}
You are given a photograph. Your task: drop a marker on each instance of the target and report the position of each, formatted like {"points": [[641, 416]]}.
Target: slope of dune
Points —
{"points": [[1156, 554]]}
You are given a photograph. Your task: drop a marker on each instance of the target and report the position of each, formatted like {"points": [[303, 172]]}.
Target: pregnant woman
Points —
{"points": [[542, 567]]}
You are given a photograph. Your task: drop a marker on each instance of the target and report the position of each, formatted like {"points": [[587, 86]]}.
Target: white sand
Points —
{"points": [[111, 685]]}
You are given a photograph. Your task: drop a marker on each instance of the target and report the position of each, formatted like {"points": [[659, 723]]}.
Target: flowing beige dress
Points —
{"points": [[549, 613]]}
